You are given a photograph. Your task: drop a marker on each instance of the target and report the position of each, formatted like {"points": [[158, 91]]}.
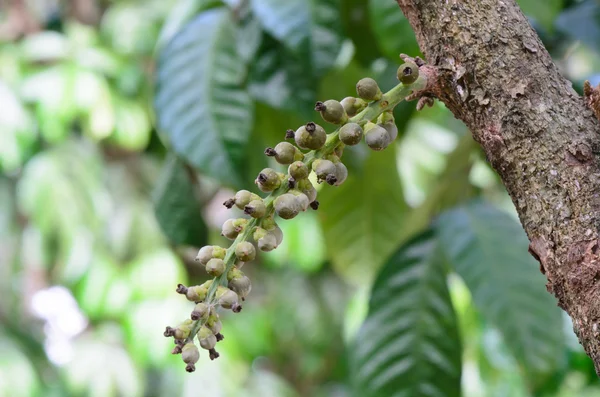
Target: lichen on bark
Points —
{"points": [[493, 72]]}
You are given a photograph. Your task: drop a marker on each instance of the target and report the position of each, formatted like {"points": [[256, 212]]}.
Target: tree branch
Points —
{"points": [[494, 74]]}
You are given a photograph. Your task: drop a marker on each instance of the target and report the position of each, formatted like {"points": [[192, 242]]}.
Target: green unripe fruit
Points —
{"points": [[352, 106], [377, 137], [301, 199], [256, 209], [229, 300], [232, 227], [183, 330], [190, 355], [259, 233], [245, 251], [310, 136], [268, 180], [267, 243], [207, 338], [205, 254], [391, 129], [215, 267], [208, 252], [243, 197], [286, 206], [351, 134], [298, 170], [278, 233], [368, 89], [348, 105], [332, 111], [241, 286], [323, 169], [284, 153], [408, 73], [200, 310], [341, 173], [198, 293], [306, 187], [216, 327], [233, 273]]}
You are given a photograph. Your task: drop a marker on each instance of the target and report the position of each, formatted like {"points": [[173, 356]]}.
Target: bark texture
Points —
{"points": [[489, 67]]}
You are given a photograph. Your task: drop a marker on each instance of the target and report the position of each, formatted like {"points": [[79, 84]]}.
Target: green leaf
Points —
{"points": [[392, 30], [362, 219], [200, 103], [279, 79], [311, 29], [543, 11], [582, 23], [176, 207], [409, 344], [180, 14], [488, 249]]}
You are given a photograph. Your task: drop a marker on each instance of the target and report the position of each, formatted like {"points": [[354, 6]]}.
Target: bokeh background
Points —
{"points": [[125, 124]]}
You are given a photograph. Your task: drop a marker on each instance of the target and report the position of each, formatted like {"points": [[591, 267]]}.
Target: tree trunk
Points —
{"points": [[489, 67]]}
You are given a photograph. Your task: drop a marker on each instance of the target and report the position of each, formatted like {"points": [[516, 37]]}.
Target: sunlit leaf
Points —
{"points": [[409, 344], [199, 100], [488, 249], [363, 218]]}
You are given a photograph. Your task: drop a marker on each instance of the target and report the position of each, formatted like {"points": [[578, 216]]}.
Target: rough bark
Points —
{"points": [[489, 67]]}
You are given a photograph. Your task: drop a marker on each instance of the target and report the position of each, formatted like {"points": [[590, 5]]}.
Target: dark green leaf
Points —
{"points": [[409, 344], [363, 218], [309, 28], [392, 30], [582, 23], [488, 249], [200, 103], [176, 207], [278, 79]]}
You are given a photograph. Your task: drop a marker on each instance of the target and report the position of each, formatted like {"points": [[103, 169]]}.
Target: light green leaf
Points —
{"points": [[309, 28], [409, 344], [392, 30], [543, 11], [363, 218], [200, 103], [176, 207], [488, 249]]}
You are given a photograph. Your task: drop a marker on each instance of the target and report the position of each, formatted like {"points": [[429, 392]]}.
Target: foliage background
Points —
{"points": [[125, 124]]}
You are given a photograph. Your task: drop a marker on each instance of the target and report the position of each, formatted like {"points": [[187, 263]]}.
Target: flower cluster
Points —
{"points": [[368, 116]]}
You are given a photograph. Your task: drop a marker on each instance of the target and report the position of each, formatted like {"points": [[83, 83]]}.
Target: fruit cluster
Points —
{"points": [[367, 116]]}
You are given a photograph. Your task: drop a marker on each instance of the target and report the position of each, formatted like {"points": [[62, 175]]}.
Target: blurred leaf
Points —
{"points": [[582, 22], [357, 27], [46, 46], [488, 249], [154, 274], [278, 78], [309, 28], [249, 32], [18, 134], [392, 30], [18, 377], [409, 344], [199, 101], [363, 218], [132, 125], [176, 207], [543, 11], [180, 14], [101, 367]]}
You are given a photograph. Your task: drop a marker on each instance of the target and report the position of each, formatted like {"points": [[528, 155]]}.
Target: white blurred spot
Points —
{"points": [[63, 319]]}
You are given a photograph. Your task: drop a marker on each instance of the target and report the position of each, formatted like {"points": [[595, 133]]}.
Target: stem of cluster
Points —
{"points": [[387, 102]]}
